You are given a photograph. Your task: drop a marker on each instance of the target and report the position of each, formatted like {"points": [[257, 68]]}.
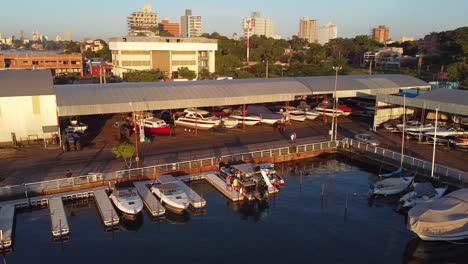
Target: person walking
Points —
{"points": [[293, 137]]}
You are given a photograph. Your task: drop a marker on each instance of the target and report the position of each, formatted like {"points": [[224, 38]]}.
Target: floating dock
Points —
{"points": [[220, 185], [196, 201], [7, 216], [58, 218], [109, 216], [154, 207]]}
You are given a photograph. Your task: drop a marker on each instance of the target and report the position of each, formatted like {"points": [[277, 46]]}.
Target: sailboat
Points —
{"points": [[392, 186]]}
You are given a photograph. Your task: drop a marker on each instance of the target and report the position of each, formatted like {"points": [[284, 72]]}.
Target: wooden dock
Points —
{"points": [[220, 185], [108, 214], [7, 216], [154, 207], [196, 201], [59, 222]]}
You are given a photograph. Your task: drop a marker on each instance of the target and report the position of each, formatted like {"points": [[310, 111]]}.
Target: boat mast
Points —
{"points": [[403, 134]]}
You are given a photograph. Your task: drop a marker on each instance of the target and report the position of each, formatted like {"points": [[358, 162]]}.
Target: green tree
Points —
{"points": [[71, 47], [124, 151], [186, 73], [143, 76], [165, 33], [204, 74]]}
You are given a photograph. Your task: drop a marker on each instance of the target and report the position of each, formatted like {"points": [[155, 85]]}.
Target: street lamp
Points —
{"points": [[334, 129]]}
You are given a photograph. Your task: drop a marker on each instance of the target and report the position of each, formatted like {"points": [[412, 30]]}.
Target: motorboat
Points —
{"points": [[460, 142], [391, 186], [411, 123], [417, 130], [253, 185], [77, 126], [200, 119], [267, 116], [445, 132], [268, 169], [311, 114], [229, 122], [127, 201], [395, 173], [154, 125], [423, 192], [326, 109], [292, 113], [249, 120], [169, 192], [443, 219], [346, 109]]}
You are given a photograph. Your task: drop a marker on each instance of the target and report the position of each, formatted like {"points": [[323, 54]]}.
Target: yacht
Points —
{"points": [[229, 122], [169, 192], [268, 117], [249, 120], [391, 186], [199, 119], [127, 201], [293, 114]]}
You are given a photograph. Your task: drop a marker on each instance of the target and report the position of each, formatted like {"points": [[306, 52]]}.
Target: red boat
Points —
{"points": [[155, 125], [461, 142], [346, 109]]}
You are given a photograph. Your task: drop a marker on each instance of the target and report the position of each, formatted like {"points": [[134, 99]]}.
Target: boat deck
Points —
{"points": [[154, 207], [109, 216], [58, 217], [7, 216]]}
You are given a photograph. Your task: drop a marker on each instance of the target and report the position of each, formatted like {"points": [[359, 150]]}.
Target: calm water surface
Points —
{"points": [[297, 227]]}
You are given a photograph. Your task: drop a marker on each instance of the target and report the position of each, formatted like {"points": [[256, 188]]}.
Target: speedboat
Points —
{"points": [[311, 114], [229, 122], [460, 142], [324, 110], [411, 123], [272, 176], [127, 201], [154, 125], [199, 119], [445, 132], [418, 129], [249, 120], [267, 116], [443, 219], [169, 192], [346, 109], [77, 126], [423, 192], [293, 114], [391, 186]]}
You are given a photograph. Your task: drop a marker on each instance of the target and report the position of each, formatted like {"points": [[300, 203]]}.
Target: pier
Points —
{"points": [[108, 214], [7, 216], [220, 185], [154, 207], [196, 201], [58, 219]]}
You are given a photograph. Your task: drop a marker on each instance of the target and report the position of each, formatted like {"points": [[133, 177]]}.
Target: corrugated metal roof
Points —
{"points": [[127, 97], [447, 100], [26, 83]]}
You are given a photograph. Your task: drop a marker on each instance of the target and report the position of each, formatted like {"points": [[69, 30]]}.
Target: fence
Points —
{"points": [[439, 170], [29, 189]]}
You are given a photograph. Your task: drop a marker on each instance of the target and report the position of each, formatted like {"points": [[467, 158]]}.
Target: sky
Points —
{"points": [[107, 18]]}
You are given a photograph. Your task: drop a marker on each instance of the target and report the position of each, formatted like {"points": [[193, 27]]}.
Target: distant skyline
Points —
{"points": [[107, 18]]}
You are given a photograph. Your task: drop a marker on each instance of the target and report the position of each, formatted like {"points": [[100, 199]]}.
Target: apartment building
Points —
{"points": [[190, 25], [326, 33], [143, 23], [258, 25], [381, 34], [172, 28], [307, 29]]}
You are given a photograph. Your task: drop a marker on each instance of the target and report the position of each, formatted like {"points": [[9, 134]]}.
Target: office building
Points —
{"points": [[167, 54], [257, 25], [190, 25], [381, 34], [172, 28], [307, 29], [143, 23], [326, 33]]}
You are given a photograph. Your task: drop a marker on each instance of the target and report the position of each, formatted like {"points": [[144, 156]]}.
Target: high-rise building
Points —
{"points": [[190, 25], [326, 33], [381, 34], [307, 29], [260, 26], [172, 28], [143, 23], [67, 35]]}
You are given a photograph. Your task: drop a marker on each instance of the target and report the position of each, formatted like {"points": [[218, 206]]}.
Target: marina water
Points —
{"points": [[322, 215]]}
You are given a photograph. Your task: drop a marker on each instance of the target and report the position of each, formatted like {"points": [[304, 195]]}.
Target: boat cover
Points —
{"points": [[262, 111], [424, 189], [393, 173], [443, 218]]}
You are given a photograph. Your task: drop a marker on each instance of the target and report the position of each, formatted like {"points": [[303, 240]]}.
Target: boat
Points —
{"points": [[77, 126], [200, 119], [311, 114], [419, 130], [326, 108], [249, 120], [346, 109], [268, 169], [396, 173], [391, 186], [267, 116], [411, 123], [169, 192], [460, 142], [229, 122], [423, 192], [445, 132], [251, 182], [153, 125], [292, 113], [127, 201], [444, 219]]}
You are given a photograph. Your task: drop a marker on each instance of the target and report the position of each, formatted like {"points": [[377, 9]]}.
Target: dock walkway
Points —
{"points": [[58, 219], [154, 207], [7, 216], [196, 201], [220, 185], [109, 216]]}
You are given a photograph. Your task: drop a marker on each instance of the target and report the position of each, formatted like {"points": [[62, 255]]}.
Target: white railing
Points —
{"points": [[439, 170], [28, 189]]}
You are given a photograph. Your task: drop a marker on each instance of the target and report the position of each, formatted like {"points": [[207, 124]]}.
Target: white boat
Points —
{"points": [[229, 122], [311, 114], [267, 116], [423, 192], [169, 192], [199, 119], [293, 114], [411, 123], [391, 186], [127, 201], [444, 219], [446, 132], [249, 120], [328, 111], [416, 130]]}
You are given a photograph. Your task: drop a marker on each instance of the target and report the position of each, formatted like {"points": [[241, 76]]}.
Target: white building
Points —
{"points": [[326, 33], [308, 29], [143, 23], [28, 108], [389, 57], [190, 25], [260, 26], [167, 54]]}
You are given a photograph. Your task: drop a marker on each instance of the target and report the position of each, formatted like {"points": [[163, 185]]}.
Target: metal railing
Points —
{"points": [[439, 170], [34, 188]]}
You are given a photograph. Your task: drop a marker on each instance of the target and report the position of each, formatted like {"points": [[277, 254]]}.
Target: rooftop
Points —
{"points": [[26, 83], [161, 39]]}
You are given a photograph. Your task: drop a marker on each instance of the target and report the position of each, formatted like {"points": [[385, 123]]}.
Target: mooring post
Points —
{"points": [[60, 227], [346, 205]]}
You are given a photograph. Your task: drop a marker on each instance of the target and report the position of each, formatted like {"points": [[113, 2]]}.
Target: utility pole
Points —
{"points": [[335, 104]]}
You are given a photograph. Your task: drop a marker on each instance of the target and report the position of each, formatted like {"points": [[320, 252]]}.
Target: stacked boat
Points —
{"points": [[196, 118]]}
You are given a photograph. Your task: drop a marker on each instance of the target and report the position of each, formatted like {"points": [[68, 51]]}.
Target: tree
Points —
{"points": [[186, 73], [143, 76], [124, 151], [165, 33], [204, 74]]}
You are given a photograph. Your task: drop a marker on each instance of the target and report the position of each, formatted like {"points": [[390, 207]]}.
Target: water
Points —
{"points": [[297, 227]]}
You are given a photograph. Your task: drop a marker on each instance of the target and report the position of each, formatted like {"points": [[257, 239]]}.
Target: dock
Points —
{"points": [[108, 214], [59, 222], [220, 185], [154, 207], [196, 201], [7, 216]]}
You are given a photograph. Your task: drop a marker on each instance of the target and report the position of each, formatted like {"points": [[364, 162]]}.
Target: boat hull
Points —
{"points": [[198, 125]]}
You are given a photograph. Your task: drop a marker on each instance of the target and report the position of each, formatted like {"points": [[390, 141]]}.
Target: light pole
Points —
{"points": [[334, 129]]}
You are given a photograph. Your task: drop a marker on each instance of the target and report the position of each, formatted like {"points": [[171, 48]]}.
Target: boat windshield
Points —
{"points": [[126, 194], [172, 192]]}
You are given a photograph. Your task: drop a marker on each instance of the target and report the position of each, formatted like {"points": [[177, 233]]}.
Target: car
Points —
{"points": [[366, 138]]}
